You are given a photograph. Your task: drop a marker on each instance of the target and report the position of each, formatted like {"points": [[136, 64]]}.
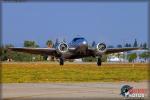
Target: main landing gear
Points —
{"points": [[99, 61], [61, 61]]}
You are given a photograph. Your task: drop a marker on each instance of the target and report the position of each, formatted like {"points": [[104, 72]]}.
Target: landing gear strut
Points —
{"points": [[99, 61], [61, 61]]}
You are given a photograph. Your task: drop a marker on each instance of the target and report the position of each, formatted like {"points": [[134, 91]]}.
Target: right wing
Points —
{"points": [[48, 51], [92, 51], [117, 50]]}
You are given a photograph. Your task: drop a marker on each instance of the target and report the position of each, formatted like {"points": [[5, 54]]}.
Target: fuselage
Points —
{"points": [[81, 45]]}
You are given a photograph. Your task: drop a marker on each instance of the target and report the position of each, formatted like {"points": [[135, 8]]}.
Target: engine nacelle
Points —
{"points": [[62, 47], [101, 47]]}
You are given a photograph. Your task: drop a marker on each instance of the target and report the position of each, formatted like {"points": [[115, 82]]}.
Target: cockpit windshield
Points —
{"points": [[75, 39]]}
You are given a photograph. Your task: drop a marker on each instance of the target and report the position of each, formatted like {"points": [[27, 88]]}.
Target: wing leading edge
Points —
{"points": [[116, 50], [49, 51]]}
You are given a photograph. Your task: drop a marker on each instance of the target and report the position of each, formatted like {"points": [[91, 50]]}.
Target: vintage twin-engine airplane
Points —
{"points": [[77, 48]]}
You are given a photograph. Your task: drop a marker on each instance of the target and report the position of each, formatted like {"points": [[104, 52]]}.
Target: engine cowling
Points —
{"points": [[62, 48], [101, 47]]}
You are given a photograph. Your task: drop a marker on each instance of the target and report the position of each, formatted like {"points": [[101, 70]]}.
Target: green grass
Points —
{"points": [[38, 72]]}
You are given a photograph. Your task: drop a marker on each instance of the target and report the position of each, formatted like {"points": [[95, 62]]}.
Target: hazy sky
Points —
{"points": [[110, 22]]}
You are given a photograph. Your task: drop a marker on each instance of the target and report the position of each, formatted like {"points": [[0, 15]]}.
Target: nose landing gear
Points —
{"points": [[61, 61], [99, 61]]}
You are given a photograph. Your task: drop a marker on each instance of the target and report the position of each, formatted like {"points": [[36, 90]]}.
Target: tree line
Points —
{"points": [[134, 44]]}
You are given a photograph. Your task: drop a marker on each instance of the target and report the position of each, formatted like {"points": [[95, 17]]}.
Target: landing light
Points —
{"points": [[84, 42]]}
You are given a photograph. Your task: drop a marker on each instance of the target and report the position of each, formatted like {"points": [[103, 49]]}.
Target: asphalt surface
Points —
{"points": [[49, 91]]}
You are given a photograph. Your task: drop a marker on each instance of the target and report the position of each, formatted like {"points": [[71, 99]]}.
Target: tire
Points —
{"points": [[61, 62], [99, 62]]}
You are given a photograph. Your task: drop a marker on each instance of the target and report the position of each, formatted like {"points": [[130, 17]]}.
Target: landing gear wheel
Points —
{"points": [[99, 62], [61, 61]]}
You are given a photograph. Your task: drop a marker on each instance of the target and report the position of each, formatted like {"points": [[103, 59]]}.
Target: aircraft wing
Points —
{"points": [[49, 51], [116, 50]]}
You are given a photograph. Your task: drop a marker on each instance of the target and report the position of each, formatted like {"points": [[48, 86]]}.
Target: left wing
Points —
{"points": [[116, 50], [48, 51]]}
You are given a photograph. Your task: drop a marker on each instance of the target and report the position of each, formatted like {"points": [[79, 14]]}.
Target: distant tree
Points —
{"points": [[89, 59], [145, 55], [135, 43], [126, 45], [104, 58], [28, 43], [20, 56], [8, 45], [37, 46], [131, 57], [49, 43], [145, 46], [5, 53], [141, 45], [93, 59], [110, 46], [129, 45], [56, 42], [93, 44], [17, 56], [119, 46], [45, 57]]}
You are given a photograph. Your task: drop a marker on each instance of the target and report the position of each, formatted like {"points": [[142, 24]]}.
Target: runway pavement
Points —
{"points": [[49, 91]]}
